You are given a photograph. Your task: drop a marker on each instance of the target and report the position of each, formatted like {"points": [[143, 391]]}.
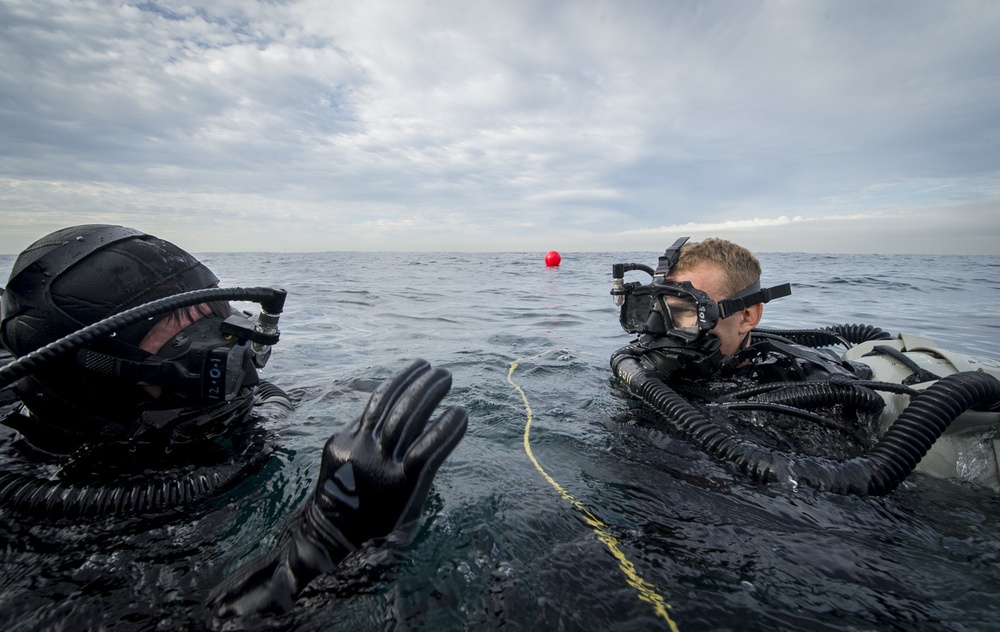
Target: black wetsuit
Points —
{"points": [[61, 512], [158, 469]]}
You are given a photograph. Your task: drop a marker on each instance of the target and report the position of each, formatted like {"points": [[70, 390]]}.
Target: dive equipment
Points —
{"points": [[79, 310], [969, 448], [208, 360], [267, 327], [211, 368], [209, 364], [72, 405], [678, 309], [79, 275], [674, 319], [925, 426], [28, 492], [375, 476]]}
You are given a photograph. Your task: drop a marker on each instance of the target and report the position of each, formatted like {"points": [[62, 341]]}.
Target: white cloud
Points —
{"points": [[524, 123]]}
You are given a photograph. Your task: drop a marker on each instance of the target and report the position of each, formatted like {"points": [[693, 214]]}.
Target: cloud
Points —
{"points": [[742, 224], [309, 122]]}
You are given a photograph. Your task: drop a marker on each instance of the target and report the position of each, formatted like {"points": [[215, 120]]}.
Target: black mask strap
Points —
{"points": [[73, 250], [669, 258], [751, 296]]}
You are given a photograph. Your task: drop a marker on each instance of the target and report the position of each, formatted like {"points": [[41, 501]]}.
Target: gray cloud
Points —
{"points": [[514, 126]]}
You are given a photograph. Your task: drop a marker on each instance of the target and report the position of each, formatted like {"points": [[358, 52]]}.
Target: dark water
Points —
{"points": [[619, 526]]}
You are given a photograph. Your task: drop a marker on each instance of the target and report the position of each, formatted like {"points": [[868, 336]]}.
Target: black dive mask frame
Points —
{"points": [[678, 310], [212, 366], [210, 360]]}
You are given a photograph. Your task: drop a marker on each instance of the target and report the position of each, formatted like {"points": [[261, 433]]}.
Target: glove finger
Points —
{"points": [[411, 411], [442, 435], [384, 397], [425, 456]]}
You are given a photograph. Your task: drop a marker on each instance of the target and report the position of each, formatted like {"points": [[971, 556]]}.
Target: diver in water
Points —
{"points": [[136, 391], [722, 269], [701, 362], [714, 311]]}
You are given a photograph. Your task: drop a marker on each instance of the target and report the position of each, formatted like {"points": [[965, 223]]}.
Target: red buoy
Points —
{"points": [[552, 258]]}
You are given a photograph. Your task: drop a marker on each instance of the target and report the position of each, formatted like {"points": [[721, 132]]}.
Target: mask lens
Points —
{"points": [[683, 312], [668, 309], [635, 312], [688, 313]]}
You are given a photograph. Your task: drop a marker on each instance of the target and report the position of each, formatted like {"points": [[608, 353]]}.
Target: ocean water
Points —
{"points": [[610, 523]]}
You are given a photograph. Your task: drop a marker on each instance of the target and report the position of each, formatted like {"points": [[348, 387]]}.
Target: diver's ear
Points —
{"points": [[750, 317]]}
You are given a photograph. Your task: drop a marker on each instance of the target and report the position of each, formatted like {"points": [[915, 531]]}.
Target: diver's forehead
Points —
{"points": [[709, 278], [163, 331]]}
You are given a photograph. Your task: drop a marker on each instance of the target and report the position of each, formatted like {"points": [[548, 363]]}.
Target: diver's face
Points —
{"points": [[709, 278], [165, 330]]}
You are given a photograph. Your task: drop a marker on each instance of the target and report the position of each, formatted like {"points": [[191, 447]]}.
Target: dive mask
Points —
{"points": [[211, 360], [678, 309]]}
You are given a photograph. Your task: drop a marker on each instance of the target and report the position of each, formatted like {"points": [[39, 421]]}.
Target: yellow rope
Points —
{"points": [[646, 590]]}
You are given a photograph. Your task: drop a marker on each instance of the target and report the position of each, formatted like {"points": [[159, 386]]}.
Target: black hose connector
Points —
{"points": [[922, 422], [822, 394], [30, 495], [276, 302], [56, 499], [847, 335], [878, 472], [858, 333]]}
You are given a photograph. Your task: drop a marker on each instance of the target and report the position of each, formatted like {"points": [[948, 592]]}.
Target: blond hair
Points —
{"points": [[740, 267]]}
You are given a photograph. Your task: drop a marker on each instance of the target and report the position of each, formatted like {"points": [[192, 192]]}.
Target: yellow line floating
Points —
{"points": [[646, 590]]}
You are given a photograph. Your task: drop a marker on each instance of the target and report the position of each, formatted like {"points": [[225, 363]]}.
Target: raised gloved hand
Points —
{"points": [[374, 477], [376, 474]]}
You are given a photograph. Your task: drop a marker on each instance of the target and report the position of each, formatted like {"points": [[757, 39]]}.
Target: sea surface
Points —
{"points": [[589, 518]]}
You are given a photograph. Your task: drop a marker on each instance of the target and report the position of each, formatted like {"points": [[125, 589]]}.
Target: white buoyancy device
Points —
{"points": [[969, 448]]}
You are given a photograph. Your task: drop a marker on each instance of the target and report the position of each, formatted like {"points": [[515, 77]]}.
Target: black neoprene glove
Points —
{"points": [[374, 477]]}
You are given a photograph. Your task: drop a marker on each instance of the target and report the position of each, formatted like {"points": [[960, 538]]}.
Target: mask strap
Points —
{"points": [[669, 258], [751, 296], [141, 372], [70, 252]]}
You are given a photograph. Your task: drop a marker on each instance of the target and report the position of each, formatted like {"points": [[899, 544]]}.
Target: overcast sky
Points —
{"points": [[842, 126]]}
